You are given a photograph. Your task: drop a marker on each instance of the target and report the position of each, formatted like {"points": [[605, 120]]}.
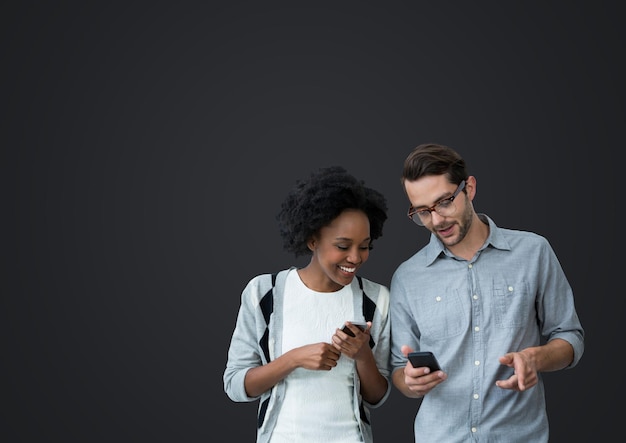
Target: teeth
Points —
{"points": [[343, 268]]}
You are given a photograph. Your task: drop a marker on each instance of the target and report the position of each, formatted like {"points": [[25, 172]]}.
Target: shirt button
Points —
{"points": [[474, 430], [510, 288], [438, 298], [476, 329], [470, 266], [476, 396], [477, 363], [475, 296]]}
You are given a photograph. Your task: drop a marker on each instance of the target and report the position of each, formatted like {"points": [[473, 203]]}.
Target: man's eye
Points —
{"points": [[444, 203], [423, 213]]}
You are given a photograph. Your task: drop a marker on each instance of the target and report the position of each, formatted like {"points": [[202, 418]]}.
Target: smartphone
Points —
{"points": [[360, 324], [427, 358]]}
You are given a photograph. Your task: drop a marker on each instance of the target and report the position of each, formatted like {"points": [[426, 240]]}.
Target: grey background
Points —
{"points": [[147, 147]]}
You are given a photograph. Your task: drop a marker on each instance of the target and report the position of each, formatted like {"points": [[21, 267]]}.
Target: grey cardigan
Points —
{"points": [[256, 340]]}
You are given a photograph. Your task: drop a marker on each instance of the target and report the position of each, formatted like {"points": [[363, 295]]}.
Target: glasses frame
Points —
{"points": [[412, 211]]}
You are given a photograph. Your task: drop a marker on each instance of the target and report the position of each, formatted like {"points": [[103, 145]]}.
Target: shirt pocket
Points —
{"points": [[442, 315], [513, 303]]}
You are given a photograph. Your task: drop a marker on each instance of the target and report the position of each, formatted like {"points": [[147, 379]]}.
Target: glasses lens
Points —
{"points": [[416, 218], [446, 207]]}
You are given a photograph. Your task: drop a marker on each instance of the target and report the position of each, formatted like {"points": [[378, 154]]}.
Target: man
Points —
{"points": [[492, 304]]}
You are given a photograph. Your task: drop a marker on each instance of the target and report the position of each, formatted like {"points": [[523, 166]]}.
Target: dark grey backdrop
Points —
{"points": [[146, 149]]}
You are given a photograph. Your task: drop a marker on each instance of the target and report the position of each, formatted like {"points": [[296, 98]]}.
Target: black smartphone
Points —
{"points": [[359, 324], [425, 358]]}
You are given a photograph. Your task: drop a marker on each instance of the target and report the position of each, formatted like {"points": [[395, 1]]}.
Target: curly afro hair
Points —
{"points": [[316, 202]]}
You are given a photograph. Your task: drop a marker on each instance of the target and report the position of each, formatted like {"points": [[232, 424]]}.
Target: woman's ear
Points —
{"points": [[311, 244]]}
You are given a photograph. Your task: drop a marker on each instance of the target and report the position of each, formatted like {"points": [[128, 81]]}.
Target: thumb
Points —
{"points": [[506, 359], [406, 349]]}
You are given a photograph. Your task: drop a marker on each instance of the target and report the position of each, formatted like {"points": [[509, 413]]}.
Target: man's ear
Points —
{"points": [[470, 187]]}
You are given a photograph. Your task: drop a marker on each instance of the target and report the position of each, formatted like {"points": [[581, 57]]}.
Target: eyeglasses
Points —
{"points": [[445, 208]]}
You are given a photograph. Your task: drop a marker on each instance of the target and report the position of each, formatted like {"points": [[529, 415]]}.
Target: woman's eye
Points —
{"points": [[345, 248]]}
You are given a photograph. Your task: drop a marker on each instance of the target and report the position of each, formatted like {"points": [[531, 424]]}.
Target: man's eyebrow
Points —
{"points": [[445, 196]]}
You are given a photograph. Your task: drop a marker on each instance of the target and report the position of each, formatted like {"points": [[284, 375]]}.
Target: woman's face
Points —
{"points": [[340, 249]]}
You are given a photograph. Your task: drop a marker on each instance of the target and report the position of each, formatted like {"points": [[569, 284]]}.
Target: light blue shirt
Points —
{"points": [[513, 294]]}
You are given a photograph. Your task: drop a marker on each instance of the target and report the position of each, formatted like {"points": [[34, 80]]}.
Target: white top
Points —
{"points": [[318, 405]]}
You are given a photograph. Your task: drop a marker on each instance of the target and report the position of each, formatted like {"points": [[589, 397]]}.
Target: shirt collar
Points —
{"points": [[496, 239]]}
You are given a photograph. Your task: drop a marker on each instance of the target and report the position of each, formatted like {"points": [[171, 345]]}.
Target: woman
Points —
{"points": [[315, 382]]}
